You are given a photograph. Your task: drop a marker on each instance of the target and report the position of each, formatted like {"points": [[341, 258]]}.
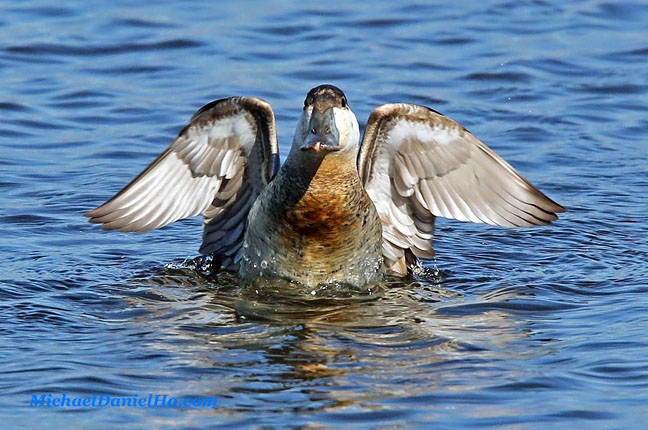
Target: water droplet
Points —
{"points": [[264, 264]]}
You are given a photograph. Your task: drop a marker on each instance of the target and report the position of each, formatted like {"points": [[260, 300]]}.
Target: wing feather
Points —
{"points": [[217, 166], [417, 164]]}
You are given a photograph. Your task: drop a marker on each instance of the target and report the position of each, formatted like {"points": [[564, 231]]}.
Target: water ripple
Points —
{"points": [[530, 328], [60, 49]]}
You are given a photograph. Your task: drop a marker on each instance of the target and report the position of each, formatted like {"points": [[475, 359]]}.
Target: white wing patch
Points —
{"points": [[217, 167], [417, 164]]}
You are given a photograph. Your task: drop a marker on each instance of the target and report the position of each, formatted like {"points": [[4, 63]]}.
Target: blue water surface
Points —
{"points": [[517, 329]]}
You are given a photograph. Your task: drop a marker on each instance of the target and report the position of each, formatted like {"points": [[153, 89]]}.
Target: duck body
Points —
{"points": [[314, 224], [338, 210]]}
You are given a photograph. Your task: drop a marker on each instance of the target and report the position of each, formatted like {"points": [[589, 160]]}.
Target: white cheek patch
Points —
{"points": [[355, 128], [302, 127], [304, 121], [347, 125]]}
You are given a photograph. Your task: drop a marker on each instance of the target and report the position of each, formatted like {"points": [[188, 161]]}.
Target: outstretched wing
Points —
{"points": [[417, 164], [217, 166]]}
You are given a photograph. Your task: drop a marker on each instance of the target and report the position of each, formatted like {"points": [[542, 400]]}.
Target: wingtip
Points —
{"points": [[561, 209], [95, 217], [555, 207], [94, 213]]}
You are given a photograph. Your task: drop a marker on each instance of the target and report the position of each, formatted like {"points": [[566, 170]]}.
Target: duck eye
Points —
{"points": [[327, 130], [313, 130]]}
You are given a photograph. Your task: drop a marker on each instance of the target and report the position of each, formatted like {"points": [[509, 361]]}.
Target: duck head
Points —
{"points": [[327, 124]]}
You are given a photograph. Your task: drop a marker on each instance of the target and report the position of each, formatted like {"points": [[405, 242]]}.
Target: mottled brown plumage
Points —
{"points": [[314, 223]]}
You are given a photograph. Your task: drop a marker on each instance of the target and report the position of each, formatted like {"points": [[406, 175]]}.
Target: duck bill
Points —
{"points": [[324, 135], [320, 142]]}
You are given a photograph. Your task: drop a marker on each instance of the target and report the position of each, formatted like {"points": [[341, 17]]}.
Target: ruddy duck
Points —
{"points": [[337, 210]]}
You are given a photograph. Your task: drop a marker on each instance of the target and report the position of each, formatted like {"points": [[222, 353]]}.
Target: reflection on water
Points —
{"points": [[400, 338]]}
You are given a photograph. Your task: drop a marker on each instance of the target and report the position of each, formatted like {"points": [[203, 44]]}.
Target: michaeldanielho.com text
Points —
{"points": [[49, 400]]}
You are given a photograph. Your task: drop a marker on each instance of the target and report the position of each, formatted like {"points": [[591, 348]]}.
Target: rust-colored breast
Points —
{"points": [[315, 228], [327, 222], [321, 217]]}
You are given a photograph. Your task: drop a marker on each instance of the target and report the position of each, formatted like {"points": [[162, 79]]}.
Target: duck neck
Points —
{"points": [[321, 173]]}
